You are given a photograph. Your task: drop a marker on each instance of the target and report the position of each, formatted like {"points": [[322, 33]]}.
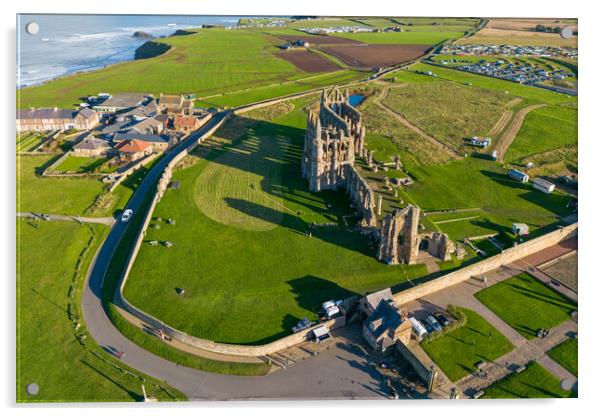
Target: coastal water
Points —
{"points": [[70, 43]]}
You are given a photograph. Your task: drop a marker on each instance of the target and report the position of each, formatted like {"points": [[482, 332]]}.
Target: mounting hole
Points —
{"points": [[32, 28], [566, 32], [32, 389]]}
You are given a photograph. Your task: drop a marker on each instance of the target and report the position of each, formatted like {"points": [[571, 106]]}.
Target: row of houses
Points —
{"points": [[47, 119]]}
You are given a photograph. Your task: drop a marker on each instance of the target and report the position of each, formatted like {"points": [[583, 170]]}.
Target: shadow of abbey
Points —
{"points": [[273, 152]]}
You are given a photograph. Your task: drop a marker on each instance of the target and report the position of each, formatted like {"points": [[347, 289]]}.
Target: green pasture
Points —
{"points": [[526, 304], [243, 212], [48, 352], [458, 351]]}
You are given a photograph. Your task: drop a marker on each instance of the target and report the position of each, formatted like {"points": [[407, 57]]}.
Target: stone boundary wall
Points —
{"points": [[49, 169], [124, 175], [506, 256], [421, 369], [227, 349]]}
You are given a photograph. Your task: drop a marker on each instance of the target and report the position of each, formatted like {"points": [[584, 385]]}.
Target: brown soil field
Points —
{"points": [[369, 56], [308, 61], [320, 40]]}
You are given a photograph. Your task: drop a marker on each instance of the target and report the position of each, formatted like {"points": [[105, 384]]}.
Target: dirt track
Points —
{"points": [[512, 130], [412, 127], [500, 125]]}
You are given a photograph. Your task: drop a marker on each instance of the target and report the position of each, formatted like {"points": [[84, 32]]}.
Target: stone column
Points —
{"points": [[397, 162], [380, 205]]}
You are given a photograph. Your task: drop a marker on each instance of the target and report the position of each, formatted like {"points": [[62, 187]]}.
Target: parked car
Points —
{"points": [[429, 328], [127, 214], [434, 323], [443, 320]]}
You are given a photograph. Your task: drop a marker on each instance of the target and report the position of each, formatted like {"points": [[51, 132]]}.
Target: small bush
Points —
{"points": [[101, 204], [459, 321]]}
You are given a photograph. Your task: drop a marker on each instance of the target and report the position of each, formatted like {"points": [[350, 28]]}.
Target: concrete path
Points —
{"points": [[57, 217]]}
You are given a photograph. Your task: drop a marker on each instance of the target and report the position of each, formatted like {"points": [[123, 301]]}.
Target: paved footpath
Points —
{"points": [[56, 217], [524, 350]]}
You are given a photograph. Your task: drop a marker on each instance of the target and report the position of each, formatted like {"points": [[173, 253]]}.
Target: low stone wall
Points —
{"points": [[423, 371], [124, 175], [507, 256], [49, 169]]}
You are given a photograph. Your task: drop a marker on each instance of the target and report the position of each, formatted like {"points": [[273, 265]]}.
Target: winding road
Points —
{"points": [[339, 372]]}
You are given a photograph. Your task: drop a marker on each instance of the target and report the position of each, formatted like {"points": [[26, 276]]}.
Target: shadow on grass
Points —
{"points": [[135, 396]]}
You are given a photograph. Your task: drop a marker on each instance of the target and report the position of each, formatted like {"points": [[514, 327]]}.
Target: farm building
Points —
{"points": [[543, 185], [46, 119], [517, 175], [186, 123], [385, 326], [120, 102], [91, 147], [175, 104], [131, 150], [158, 142], [148, 126]]}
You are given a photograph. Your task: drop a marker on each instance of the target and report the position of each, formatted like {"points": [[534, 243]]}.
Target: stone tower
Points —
{"points": [[334, 136], [404, 222]]}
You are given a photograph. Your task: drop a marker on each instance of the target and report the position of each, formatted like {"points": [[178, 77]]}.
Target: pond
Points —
{"points": [[356, 99]]}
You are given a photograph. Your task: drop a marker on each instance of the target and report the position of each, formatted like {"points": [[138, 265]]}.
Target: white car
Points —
{"points": [[127, 214]]}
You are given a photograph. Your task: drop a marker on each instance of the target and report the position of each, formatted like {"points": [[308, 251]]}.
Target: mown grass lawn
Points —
{"points": [[241, 249], [479, 183], [566, 354], [68, 196], [533, 383], [47, 351], [543, 130], [526, 304], [212, 61], [459, 350], [81, 164]]}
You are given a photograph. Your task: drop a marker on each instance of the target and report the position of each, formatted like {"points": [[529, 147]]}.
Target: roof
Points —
{"points": [[87, 112], [92, 143], [320, 331], [132, 146], [170, 99], [161, 117], [386, 316], [373, 299], [147, 123], [542, 182], [125, 100], [185, 121], [45, 113], [151, 138]]}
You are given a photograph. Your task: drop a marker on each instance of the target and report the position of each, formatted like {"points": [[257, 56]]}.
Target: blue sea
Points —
{"points": [[70, 43]]}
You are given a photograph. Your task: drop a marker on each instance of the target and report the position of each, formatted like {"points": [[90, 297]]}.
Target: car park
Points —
{"points": [[442, 319]]}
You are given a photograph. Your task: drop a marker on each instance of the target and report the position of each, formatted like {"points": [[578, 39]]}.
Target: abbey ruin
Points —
{"points": [[334, 137]]}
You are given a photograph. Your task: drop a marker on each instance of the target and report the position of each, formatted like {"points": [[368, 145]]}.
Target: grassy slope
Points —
{"points": [[484, 184], [534, 382], [81, 164], [526, 304], [565, 354], [545, 129], [213, 61], [457, 351], [47, 351], [448, 111], [277, 275]]}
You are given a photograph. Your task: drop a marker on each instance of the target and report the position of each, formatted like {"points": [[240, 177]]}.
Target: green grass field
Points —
{"points": [[526, 304], [213, 61], [566, 354], [533, 383], [48, 352], [459, 350], [415, 37], [28, 141], [545, 130], [242, 215], [448, 111], [485, 185], [68, 196], [82, 164], [513, 88]]}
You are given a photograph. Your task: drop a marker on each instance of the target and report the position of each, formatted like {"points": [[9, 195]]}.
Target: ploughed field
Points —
{"points": [[241, 248], [309, 61], [367, 56]]}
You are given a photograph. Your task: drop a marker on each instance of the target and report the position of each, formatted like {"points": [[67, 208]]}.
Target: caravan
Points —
{"points": [[418, 329]]}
